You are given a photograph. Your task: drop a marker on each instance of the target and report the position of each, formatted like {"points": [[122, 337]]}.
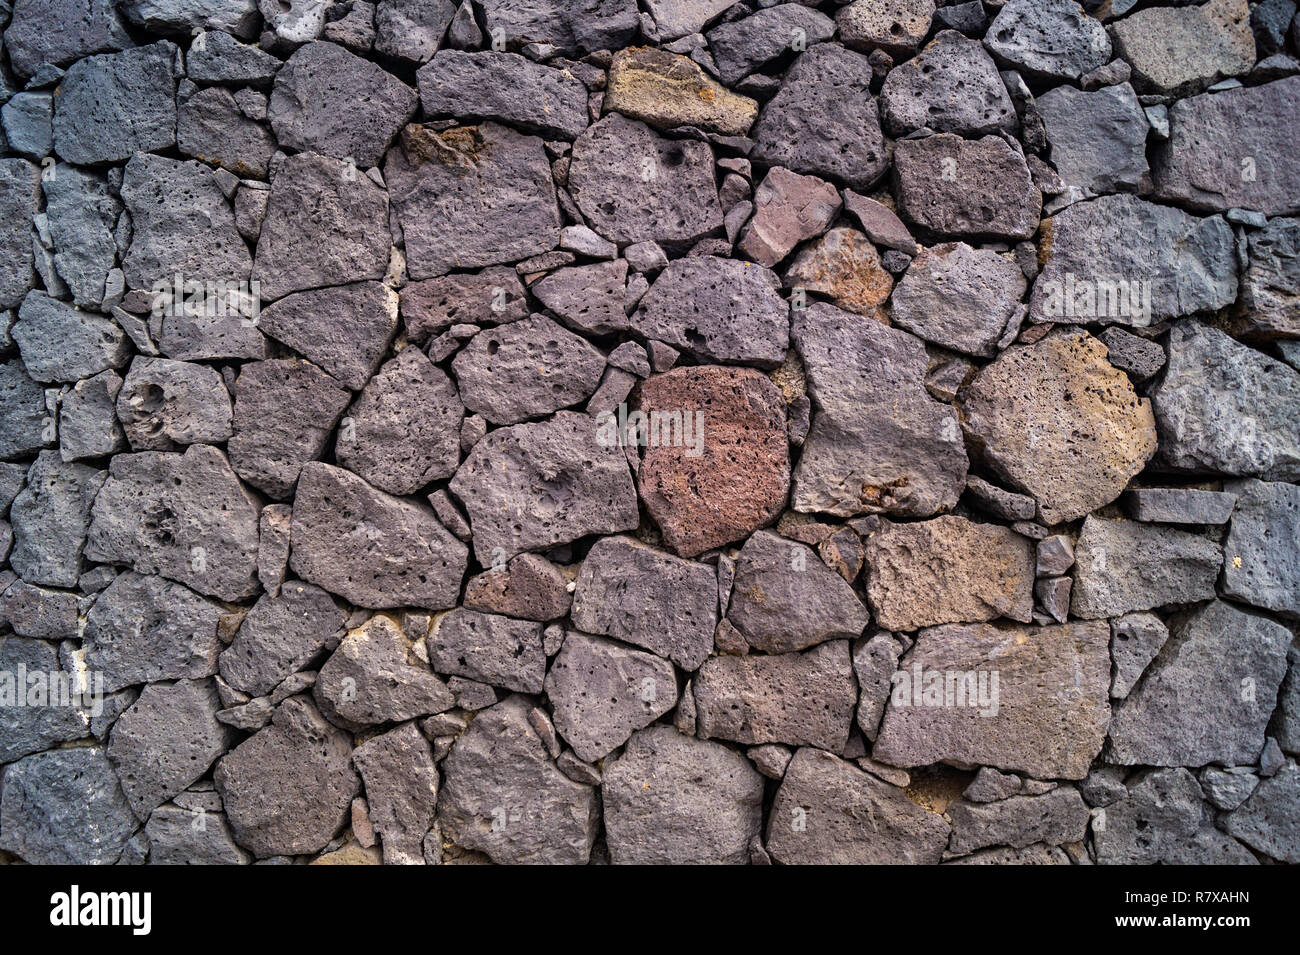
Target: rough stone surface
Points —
{"points": [[951, 86], [489, 648], [1121, 566], [1262, 551], [959, 297], [1181, 50], [344, 330], [1053, 39]]}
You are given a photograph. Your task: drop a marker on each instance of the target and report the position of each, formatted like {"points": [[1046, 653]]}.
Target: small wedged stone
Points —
{"points": [[1058, 421], [587, 298], [1191, 707], [369, 547], [671, 799], [948, 570], [843, 265], [529, 587], [493, 296], [287, 789], [788, 209], [471, 196], [1270, 286], [817, 816], [1019, 821], [1122, 566], [503, 795], [785, 599], [632, 592], [401, 783], [602, 692], [489, 648], [1135, 639], [1046, 715], [184, 516], [531, 486], [1176, 505], [878, 442], [802, 699], [632, 185], [279, 636]]}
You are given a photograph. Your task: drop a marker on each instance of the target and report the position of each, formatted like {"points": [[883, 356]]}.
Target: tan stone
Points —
{"points": [[948, 570], [844, 265], [667, 90], [1058, 421], [788, 208]]}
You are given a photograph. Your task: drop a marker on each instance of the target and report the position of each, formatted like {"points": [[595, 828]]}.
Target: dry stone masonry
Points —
{"points": [[649, 431]]}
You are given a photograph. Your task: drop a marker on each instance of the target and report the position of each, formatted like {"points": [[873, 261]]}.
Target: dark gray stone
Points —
{"points": [[1121, 566], [1270, 286], [279, 636], [165, 403], [25, 423], [50, 517], [42, 34], [212, 128], [1051, 39], [742, 46], [1178, 505], [82, 212], [30, 724], [411, 29], [1268, 821], [1135, 639], [217, 57], [599, 25], [951, 86], [20, 199], [61, 343], [1140, 357], [505, 87], [1098, 139], [1019, 821], [489, 648], [1262, 552], [401, 783]]}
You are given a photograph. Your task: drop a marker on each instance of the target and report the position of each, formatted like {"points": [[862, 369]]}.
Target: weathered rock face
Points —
{"points": [[951, 86], [344, 330], [948, 570], [1270, 286], [643, 596], [1183, 50], [1162, 819], [531, 486], [785, 598], [803, 699], [503, 795], [667, 90], [1262, 551], [731, 474], [1046, 715], [504, 87], [20, 198], [1098, 138], [634, 186], [1053, 39], [1122, 566], [1227, 150], [164, 403], [286, 789], [1165, 722], [279, 636], [740, 47], [845, 266], [671, 799], [815, 817], [1267, 820], [878, 442], [1019, 821], [402, 791], [471, 196], [116, 104], [371, 548], [489, 648], [1208, 410], [1058, 421]]}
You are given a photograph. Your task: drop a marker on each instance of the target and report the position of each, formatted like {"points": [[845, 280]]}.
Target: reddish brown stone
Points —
{"points": [[737, 482]]}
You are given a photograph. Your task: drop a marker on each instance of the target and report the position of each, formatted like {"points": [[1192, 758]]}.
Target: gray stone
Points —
{"points": [[803, 699], [823, 120], [64, 807], [1208, 410], [1178, 505], [471, 196], [116, 104], [211, 127], [895, 27], [82, 212], [50, 517], [403, 431], [332, 102], [1270, 286], [284, 412], [1019, 821], [817, 818], [956, 187], [1268, 821], [326, 224], [27, 119], [503, 795], [677, 18], [1207, 696], [874, 663], [1176, 51], [491, 297], [1139, 357], [165, 741], [26, 728], [489, 648], [878, 442], [20, 199], [1058, 421], [671, 799], [532, 486], [1262, 552], [959, 297], [198, 525], [529, 587], [370, 548], [1230, 150], [1227, 789], [401, 783], [526, 369], [784, 599], [411, 29], [88, 426], [633, 185], [645, 597], [1098, 139], [947, 570], [602, 25], [38, 611], [217, 57], [740, 47], [179, 836], [279, 636], [505, 87], [1163, 820], [144, 629], [951, 86], [990, 785], [602, 692], [184, 16], [1046, 715], [43, 34], [287, 789], [61, 343], [1052, 39], [1030, 855], [165, 403], [1135, 639], [587, 298], [300, 22], [25, 424], [1121, 566]]}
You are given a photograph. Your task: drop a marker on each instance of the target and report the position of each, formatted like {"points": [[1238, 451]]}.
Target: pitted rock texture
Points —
{"points": [[661, 432]]}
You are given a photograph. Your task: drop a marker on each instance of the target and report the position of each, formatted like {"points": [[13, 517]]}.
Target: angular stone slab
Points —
{"points": [[1121, 566], [401, 782], [279, 636], [489, 648], [1261, 562], [345, 330], [50, 517], [951, 86], [116, 104], [505, 87]]}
